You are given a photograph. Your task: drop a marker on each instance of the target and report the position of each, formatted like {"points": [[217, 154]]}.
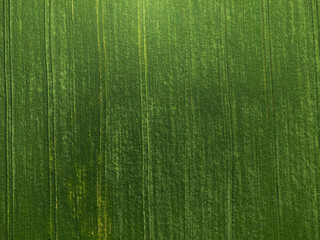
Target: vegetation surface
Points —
{"points": [[159, 119]]}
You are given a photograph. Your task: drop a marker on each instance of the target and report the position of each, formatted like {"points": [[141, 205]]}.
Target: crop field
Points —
{"points": [[159, 119]]}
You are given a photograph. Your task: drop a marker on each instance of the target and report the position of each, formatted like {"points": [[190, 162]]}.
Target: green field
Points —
{"points": [[159, 119]]}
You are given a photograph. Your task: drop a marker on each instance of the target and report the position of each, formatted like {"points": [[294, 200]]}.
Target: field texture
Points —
{"points": [[159, 119]]}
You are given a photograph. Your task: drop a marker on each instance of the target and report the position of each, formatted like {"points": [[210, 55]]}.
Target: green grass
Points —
{"points": [[195, 119]]}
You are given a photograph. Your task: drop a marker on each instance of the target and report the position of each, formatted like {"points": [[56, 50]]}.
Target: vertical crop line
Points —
{"points": [[223, 105], [143, 72], [186, 158], [106, 215], [74, 108], [142, 75], [274, 124], [222, 90], [186, 182], [317, 100], [221, 84], [191, 118], [318, 24], [53, 135], [6, 118], [149, 172], [264, 51], [265, 63], [141, 120], [230, 170], [8, 121], [50, 112], [99, 172], [72, 10], [11, 121], [73, 114]]}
